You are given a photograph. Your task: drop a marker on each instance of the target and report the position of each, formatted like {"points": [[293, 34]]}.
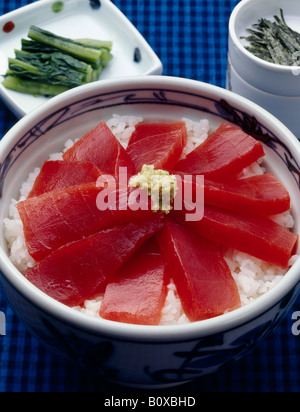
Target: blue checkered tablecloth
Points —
{"points": [[190, 37]]}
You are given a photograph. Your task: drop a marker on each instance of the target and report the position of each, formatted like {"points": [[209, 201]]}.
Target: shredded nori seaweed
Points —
{"points": [[274, 42]]}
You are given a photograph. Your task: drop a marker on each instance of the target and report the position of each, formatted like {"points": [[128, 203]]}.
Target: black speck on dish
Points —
{"points": [[137, 55], [95, 4]]}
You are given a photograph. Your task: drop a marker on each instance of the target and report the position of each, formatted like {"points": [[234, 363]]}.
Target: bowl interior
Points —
{"points": [[46, 130]]}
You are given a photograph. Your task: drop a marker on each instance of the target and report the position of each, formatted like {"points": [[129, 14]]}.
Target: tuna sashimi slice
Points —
{"points": [[261, 195], [59, 174], [223, 155], [138, 292], [145, 130], [62, 216], [258, 236], [202, 277], [79, 270], [157, 144], [101, 147]]}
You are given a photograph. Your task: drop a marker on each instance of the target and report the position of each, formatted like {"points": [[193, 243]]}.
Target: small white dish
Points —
{"points": [[269, 77], [76, 19]]}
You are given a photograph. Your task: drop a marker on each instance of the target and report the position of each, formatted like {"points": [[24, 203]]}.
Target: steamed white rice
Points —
{"points": [[253, 276]]}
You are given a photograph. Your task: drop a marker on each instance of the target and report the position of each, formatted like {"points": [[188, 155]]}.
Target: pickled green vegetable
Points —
{"points": [[48, 64]]}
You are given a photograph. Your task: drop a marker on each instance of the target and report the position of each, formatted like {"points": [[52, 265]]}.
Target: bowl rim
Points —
{"points": [[283, 69], [127, 332], [263, 92]]}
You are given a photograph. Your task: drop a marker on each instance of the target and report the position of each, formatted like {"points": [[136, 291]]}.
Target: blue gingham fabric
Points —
{"points": [[191, 38]]}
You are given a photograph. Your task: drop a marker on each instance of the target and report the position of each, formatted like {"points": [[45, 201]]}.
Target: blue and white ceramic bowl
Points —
{"points": [[130, 354]]}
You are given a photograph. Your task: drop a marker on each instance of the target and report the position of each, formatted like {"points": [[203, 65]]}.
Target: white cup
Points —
{"points": [[272, 86]]}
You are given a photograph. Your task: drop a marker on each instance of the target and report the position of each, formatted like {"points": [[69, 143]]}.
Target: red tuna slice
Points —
{"points": [[145, 130], [223, 155], [60, 175], [157, 144], [101, 147], [62, 216], [261, 195], [79, 270], [257, 236], [202, 277], [138, 292]]}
